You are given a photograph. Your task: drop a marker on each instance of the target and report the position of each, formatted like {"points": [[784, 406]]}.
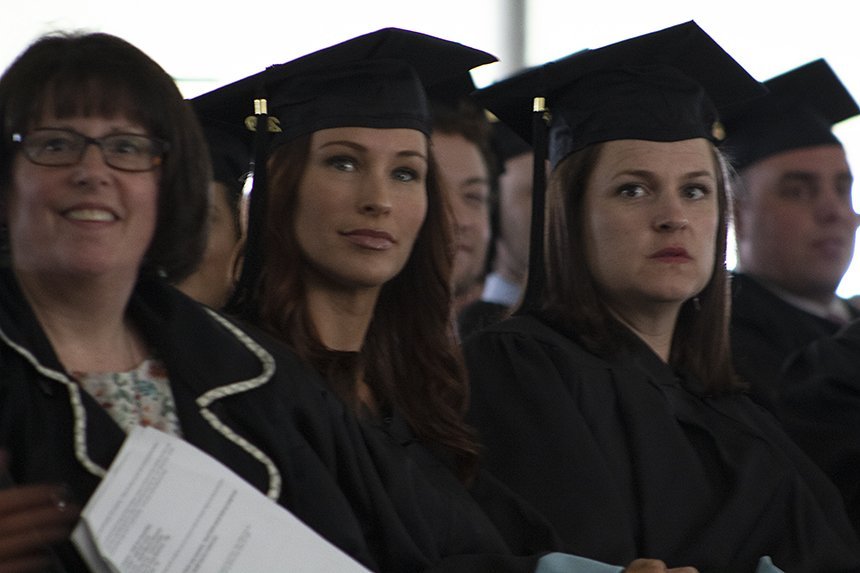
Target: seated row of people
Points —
{"points": [[610, 426]]}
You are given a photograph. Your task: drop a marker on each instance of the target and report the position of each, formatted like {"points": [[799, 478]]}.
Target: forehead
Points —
{"points": [[816, 160], [686, 156], [452, 151], [397, 140]]}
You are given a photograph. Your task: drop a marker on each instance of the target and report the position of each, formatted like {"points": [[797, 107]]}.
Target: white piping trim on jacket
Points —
{"points": [[79, 431], [204, 401], [209, 397]]}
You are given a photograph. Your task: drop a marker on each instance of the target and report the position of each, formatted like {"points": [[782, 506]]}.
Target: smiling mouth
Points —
{"points": [[98, 215]]}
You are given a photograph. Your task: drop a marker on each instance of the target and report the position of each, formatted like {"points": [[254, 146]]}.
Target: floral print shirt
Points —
{"points": [[140, 397]]}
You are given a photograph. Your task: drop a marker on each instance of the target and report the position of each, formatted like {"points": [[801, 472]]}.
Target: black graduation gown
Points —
{"points": [[372, 490], [765, 332], [479, 314], [415, 514], [820, 409], [627, 460]]}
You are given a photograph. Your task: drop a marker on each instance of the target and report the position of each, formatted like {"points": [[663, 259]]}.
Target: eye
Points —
{"points": [[406, 175], [696, 192], [127, 145], [796, 191], [475, 198], [843, 187], [342, 163], [57, 142], [632, 191]]}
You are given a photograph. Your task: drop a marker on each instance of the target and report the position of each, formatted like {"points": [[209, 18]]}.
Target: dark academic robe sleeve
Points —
{"points": [[765, 332], [627, 460], [821, 409]]}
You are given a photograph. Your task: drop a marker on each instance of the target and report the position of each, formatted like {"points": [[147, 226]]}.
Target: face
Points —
{"points": [[465, 180], [81, 220], [795, 225], [515, 209], [362, 201], [651, 223], [212, 282]]}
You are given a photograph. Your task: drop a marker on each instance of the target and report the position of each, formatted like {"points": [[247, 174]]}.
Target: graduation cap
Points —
{"points": [[800, 109], [230, 155], [376, 80], [506, 142], [662, 86]]}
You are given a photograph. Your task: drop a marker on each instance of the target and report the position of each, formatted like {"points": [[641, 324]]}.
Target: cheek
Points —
{"points": [[24, 208], [416, 212]]}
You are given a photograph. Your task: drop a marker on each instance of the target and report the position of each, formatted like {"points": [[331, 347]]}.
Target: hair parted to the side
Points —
{"points": [[97, 74], [410, 357], [700, 344]]}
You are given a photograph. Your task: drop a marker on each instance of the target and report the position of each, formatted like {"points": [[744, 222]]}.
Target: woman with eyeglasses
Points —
{"points": [[103, 198]]}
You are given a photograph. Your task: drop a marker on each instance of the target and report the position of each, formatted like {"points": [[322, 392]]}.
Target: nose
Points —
{"points": [[670, 215], [834, 204], [92, 166], [375, 194]]}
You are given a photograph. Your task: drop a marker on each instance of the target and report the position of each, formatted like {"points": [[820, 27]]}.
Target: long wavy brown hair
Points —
{"points": [[410, 357], [700, 344]]}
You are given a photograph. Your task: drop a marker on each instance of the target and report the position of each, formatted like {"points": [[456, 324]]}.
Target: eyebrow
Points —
{"points": [[811, 177], [477, 180], [644, 173], [362, 148]]}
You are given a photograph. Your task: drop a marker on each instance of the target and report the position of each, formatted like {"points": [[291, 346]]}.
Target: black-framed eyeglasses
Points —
{"points": [[63, 147]]}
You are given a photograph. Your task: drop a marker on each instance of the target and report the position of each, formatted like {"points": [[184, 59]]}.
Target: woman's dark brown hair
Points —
{"points": [[67, 75], [700, 345], [410, 357]]}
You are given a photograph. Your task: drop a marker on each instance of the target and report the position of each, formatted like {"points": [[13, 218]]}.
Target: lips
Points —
{"points": [[372, 239], [672, 254], [90, 214], [830, 246]]}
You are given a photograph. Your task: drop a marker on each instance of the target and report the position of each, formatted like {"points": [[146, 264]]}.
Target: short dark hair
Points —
{"points": [[701, 341], [97, 74]]}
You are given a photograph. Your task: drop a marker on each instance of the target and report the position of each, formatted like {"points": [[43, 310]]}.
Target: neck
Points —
{"points": [[507, 266], [820, 296], [341, 318], [655, 326], [85, 321]]}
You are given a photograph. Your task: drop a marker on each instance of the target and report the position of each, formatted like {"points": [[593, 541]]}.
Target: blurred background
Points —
{"points": [[207, 44]]}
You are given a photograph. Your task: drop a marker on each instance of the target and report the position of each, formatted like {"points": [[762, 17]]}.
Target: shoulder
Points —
{"points": [[523, 332]]}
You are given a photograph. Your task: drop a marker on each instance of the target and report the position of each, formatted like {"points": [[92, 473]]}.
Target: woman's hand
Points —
{"points": [[33, 517], [655, 566]]}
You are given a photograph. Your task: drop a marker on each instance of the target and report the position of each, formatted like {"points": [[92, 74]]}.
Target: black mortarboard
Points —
{"points": [[506, 142], [376, 80], [799, 111], [663, 86], [230, 155]]}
